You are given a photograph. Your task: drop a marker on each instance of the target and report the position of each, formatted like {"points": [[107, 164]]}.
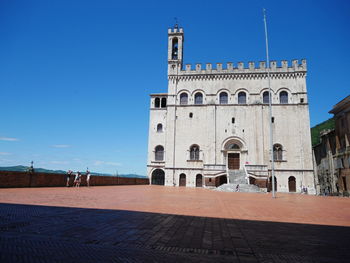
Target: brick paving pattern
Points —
{"points": [[147, 224]]}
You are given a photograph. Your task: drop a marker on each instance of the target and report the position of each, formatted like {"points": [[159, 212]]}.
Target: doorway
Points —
{"points": [[182, 181], [233, 161], [291, 184], [158, 177], [199, 180]]}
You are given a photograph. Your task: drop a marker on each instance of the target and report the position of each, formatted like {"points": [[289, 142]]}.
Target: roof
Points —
{"points": [[340, 106]]}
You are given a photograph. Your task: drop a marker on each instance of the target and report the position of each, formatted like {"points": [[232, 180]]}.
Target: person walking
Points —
{"points": [[69, 173], [76, 179], [88, 175], [237, 188]]}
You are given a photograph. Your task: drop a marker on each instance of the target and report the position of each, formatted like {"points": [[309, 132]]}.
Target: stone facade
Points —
{"points": [[332, 154], [215, 120]]}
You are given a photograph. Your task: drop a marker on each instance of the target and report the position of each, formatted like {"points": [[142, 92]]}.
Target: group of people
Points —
{"points": [[77, 178]]}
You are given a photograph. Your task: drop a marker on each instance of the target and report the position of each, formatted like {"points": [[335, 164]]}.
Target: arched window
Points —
{"points": [[284, 97], [242, 98], [175, 49], [223, 98], [183, 98], [198, 98], [233, 146], [163, 104], [159, 127], [194, 152], [159, 153], [266, 97], [277, 152], [157, 102]]}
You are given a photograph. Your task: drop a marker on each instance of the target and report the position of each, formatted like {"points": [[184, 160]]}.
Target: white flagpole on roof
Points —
{"points": [[270, 108]]}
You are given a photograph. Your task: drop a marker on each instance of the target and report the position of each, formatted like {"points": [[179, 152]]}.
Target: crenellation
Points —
{"points": [[295, 64], [219, 67], [175, 30], [303, 64], [273, 65], [283, 66]]}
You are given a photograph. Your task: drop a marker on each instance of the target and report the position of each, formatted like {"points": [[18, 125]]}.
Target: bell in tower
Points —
{"points": [[175, 49]]}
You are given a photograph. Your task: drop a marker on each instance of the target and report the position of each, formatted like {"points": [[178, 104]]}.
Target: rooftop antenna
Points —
{"points": [[270, 108]]}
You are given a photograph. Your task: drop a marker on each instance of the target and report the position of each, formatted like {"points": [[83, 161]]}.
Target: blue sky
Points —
{"points": [[75, 76]]}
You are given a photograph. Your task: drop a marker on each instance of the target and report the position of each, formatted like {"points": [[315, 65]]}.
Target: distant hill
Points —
{"points": [[22, 168], [315, 131]]}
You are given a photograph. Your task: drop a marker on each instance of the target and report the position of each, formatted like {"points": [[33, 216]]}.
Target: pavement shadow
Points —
{"points": [[31, 233]]}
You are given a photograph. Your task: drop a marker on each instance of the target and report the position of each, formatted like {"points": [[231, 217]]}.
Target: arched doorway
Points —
{"points": [[270, 184], [233, 152], [292, 184], [182, 181], [199, 180], [158, 177]]}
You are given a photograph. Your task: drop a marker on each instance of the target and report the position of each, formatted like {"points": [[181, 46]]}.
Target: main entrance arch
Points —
{"points": [[233, 149], [158, 177]]}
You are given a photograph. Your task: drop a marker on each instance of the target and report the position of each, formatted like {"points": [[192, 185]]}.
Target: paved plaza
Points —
{"points": [[165, 224]]}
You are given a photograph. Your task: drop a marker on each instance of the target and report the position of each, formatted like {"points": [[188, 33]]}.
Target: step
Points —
{"points": [[245, 188]]}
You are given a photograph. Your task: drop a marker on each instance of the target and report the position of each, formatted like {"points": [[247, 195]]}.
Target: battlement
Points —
{"points": [[175, 30], [252, 67]]}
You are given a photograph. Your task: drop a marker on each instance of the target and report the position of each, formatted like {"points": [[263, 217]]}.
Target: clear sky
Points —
{"points": [[75, 76]]}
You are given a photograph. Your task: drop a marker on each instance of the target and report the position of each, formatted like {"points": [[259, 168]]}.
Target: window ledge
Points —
{"points": [[280, 161], [157, 161], [194, 160]]}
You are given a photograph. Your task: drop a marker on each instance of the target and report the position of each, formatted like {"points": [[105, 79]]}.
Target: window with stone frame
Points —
{"points": [[277, 152], [198, 98], [223, 98], [159, 127], [194, 152], [163, 103], [159, 153], [183, 98], [266, 97], [283, 97], [157, 102], [242, 98]]}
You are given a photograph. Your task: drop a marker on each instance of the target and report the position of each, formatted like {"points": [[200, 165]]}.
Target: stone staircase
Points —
{"points": [[238, 177]]}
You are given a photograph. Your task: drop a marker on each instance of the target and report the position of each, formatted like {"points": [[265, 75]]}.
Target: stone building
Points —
{"points": [[213, 124], [332, 154]]}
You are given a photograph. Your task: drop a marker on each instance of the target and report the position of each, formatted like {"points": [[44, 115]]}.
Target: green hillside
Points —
{"points": [[315, 131]]}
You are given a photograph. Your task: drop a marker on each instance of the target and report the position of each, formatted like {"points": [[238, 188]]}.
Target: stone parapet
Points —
{"points": [[252, 67]]}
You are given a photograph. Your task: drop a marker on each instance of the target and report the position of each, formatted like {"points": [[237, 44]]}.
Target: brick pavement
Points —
{"points": [[161, 224]]}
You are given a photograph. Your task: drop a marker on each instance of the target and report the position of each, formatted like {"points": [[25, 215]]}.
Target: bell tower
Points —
{"points": [[175, 49]]}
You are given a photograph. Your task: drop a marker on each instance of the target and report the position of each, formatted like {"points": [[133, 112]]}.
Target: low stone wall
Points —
{"points": [[23, 179]]}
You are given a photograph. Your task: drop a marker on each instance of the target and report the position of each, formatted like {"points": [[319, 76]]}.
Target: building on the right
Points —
{"points": [[332, 154]]}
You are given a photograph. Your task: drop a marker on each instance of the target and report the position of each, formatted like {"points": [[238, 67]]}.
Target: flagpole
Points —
{"points": [[270, 108]]}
